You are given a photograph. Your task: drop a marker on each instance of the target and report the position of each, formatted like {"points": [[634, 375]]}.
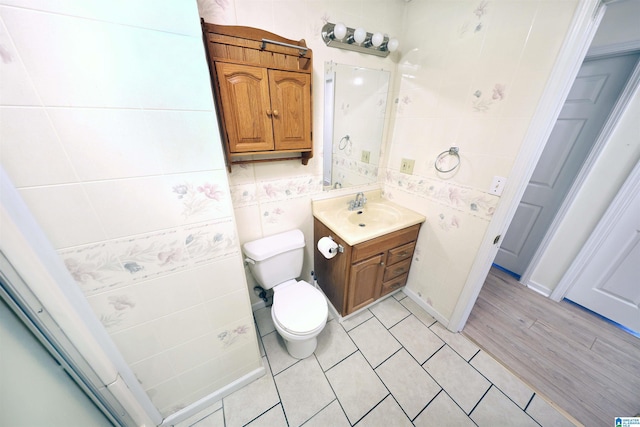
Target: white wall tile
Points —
{"points": [[106, 143], [164, 57], [65, 213], [165, 15], [16, 87], [87, 63], [130, 206], [185, 140], [30, 150]]}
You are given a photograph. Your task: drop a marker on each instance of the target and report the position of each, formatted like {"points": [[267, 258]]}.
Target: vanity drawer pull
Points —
{"points": [[401, 253], [394, 284], [397, 269]]}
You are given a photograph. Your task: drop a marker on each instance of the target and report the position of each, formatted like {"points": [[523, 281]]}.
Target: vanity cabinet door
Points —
{"points": [[291, 109], [246, 103], [365, 282]]}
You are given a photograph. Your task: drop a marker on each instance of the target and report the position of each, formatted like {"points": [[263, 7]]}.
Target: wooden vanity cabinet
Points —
{"points": [[366, 271], [262, 92]]}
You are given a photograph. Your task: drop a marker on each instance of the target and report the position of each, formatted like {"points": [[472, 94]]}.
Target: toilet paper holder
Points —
{"points": [[340, 247]]}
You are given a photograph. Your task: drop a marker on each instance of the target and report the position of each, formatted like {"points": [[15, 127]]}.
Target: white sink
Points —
{"points": [[376, 218]]}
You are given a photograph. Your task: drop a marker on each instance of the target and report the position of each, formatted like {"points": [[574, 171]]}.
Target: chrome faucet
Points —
{"points": [[358, 202]]}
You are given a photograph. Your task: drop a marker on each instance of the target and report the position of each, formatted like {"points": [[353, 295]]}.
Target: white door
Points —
{"points": [[590, 100], [608, 278]]}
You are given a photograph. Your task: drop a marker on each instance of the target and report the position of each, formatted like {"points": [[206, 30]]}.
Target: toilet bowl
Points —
{"points": [[299, 310]]}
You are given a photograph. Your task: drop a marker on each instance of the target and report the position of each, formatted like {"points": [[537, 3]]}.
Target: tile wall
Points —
{"points": [[468, 73], [108, 130]]}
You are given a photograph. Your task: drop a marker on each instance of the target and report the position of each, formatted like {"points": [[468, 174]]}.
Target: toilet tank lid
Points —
{"points": [[267, 247]]}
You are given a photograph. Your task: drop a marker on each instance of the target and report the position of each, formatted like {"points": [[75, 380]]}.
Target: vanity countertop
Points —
{"points": [[376, 218]]}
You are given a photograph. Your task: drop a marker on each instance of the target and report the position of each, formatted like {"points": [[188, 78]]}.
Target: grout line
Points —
{"points": [[529, 402], [480, 400]]}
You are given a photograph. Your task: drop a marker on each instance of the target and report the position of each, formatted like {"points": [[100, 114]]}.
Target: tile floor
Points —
{"points": [[390, 365]]}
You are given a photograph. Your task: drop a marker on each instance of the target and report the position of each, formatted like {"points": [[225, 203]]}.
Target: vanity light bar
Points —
{"points": [[357, 40]]}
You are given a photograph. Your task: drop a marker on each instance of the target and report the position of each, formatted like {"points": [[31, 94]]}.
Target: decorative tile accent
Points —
{"points": [[243, 195], [288, 188], [482, 103], [461, 198], [152, 255], [95, 268], [199, 199], [206, 242]]}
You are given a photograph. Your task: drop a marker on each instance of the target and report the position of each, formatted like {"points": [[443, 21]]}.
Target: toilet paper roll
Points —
{"points": [[327, 247]]}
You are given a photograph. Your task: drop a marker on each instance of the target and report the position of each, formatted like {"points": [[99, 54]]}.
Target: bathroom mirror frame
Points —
{"points": [[356, 101]]}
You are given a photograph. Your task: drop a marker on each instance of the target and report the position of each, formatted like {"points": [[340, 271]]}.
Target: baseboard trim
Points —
{"points": [[539, 288], [426, 307], [212, 398]]}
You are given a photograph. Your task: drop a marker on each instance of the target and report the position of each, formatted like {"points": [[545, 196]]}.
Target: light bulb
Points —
{"points": [[392, 45], [377, 39], [359, 35], [339, 31]]}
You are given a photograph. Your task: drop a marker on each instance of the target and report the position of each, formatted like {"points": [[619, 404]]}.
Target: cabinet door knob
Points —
{"points": [[269, 113], [275, 113], [382, 263]]}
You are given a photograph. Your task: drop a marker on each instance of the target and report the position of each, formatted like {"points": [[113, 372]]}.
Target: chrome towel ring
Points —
{"points": [[453, 151]]}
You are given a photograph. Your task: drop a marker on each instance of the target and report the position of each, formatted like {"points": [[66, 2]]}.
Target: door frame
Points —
{"points": [[586, 20], [621, 201], [626, 96]]}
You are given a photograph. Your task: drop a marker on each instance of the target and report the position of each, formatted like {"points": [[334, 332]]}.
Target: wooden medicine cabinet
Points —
{"points": [[262, 89]]}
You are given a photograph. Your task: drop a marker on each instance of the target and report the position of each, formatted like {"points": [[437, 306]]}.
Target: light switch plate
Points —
{"points": [[366, 155], [497, 185], [406, 166]]}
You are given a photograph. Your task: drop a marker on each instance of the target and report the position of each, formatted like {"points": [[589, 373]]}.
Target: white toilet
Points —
{"points": [[299, 310]]}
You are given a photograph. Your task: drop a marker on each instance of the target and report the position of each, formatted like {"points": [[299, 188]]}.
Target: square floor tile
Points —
{"points": [[264, 321], [374, 341], [276, 349], [214, 420], [274, 417], [251, 400], [508, 383], [400, 295], [495, 408], [409, 384], [461, 344], [459, 379], [304, 390], [387, 414], [389, 312], [545, 414], [417, 338], [443, 412], [418, 311], [357, 319], [357, 386], [332, 416], [201, 415], [334, 345]]}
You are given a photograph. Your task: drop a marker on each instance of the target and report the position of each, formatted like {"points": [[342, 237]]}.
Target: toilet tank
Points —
{"points": [[275, 259]]}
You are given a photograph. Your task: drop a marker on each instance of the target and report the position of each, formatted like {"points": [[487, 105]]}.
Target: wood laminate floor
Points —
{"points": [[583, 364]]}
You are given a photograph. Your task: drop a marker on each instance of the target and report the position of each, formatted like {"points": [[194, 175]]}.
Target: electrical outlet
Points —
{"points": [[366, 155], [406, 166], [497, 185]]}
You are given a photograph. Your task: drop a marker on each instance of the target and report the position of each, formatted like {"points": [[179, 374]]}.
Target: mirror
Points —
{"points": [[355, 102]]}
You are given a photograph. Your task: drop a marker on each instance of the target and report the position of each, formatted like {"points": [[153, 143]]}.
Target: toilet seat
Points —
{"points": [[299, 308]]}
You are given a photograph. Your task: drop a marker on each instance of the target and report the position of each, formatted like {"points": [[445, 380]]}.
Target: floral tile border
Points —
{"points": [[461, 198], [116, 263], [273, 190]]}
